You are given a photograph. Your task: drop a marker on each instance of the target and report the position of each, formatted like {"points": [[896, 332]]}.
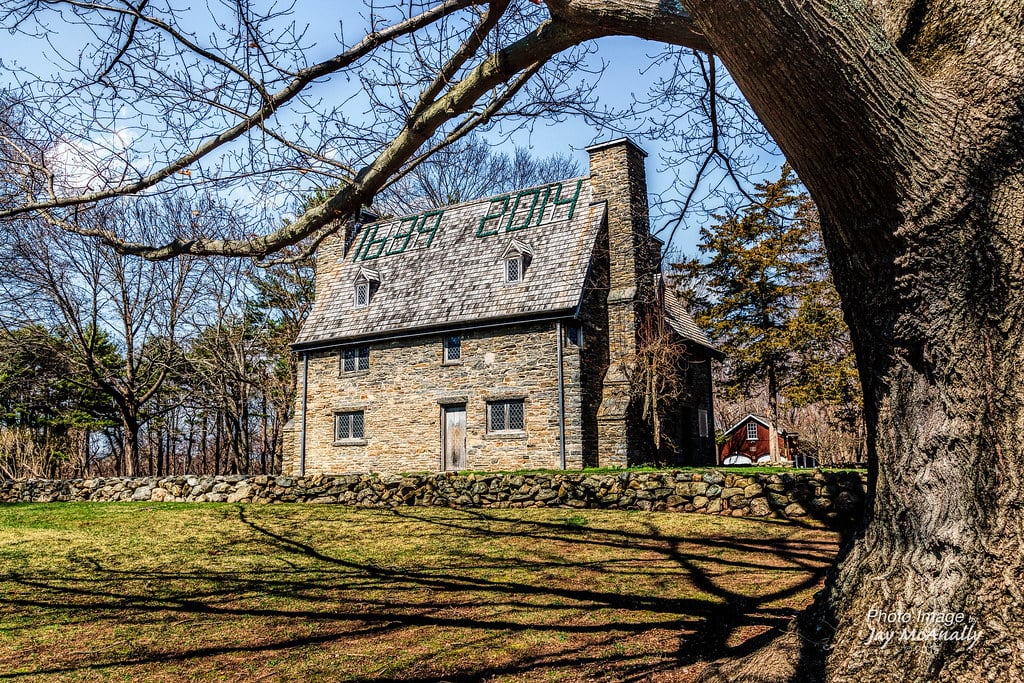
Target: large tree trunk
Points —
{"points": [[774, 457], [130, 444], [906, 127]]}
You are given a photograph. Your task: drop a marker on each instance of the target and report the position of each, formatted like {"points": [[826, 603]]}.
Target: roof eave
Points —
{"points": [[427, 330]]}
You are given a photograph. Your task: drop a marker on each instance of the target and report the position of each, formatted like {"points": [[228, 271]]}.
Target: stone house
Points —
{"points": [[499, 334]]}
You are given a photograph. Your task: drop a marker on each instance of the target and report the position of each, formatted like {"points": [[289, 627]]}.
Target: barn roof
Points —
{"points": [[763, 421], [444, 268]]}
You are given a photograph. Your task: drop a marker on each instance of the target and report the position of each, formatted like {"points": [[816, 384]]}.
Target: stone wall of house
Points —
{"points": [[836, 497], [684, 446], [406, 386]]}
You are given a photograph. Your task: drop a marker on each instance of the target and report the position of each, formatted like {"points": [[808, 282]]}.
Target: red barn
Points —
{"points": [[746, 443]]}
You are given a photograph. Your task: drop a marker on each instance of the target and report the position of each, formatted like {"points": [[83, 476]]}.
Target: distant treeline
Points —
{"points": [[114, 365]]}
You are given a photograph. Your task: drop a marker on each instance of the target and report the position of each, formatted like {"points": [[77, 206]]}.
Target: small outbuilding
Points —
{"points": [[748, 443]]}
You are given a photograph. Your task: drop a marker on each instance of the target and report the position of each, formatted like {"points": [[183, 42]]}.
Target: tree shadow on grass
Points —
{"points": [[600, 602]]}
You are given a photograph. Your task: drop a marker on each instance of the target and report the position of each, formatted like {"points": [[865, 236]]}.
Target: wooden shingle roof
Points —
{"points": [[680, 320], [443, 268]]}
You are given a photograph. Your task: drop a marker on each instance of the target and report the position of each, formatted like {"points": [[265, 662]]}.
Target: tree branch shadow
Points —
{"points": [[473, 593]]}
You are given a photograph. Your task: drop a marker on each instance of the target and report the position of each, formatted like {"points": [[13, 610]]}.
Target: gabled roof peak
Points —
{"points": [[368, 275], [514, 246]]}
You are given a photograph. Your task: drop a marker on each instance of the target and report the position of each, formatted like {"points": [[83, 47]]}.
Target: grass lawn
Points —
{"points": [[178, 592]]}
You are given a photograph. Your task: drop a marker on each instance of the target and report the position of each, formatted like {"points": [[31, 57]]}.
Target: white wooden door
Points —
{"points": [[454, 445]]}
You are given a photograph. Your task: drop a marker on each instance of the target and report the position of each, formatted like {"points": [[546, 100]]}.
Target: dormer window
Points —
{"points": [[514, 269], [515, 261], [362, 294], [367, 283]]}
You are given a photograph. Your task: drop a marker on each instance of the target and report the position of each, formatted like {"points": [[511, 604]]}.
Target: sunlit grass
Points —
{"points": [[163, 591]]}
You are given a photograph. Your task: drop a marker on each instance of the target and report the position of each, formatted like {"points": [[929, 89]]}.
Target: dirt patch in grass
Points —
{"points": [[156, 592]]}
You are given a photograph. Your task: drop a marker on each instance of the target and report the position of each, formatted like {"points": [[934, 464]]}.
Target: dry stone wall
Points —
{"points": [[837, 497]]}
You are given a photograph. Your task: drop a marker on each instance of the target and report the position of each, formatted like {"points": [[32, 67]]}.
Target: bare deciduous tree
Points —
{"points": [[903, 119], [119, 316]]}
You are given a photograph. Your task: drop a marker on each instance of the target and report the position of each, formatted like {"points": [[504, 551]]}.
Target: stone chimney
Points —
{"points": [[617, 176]]}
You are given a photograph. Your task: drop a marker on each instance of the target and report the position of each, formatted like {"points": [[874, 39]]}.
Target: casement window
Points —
{"points": [[515, 259], [362, 294], [366, 284], [506, 416], [751, 431], [574, 335], [702, 422], [348, 426], [452, 349], [355, 359]]}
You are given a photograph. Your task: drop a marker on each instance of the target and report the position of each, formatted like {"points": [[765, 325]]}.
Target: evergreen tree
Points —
{"points": [[48, 410], [764, 293]]}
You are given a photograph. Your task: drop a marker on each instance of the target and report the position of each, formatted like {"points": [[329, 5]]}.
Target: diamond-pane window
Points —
{"points": [[356, 359], [515, 415], [348, 426], [362, 294], [497, 419], [452, 349], [506, 416], [513, 270]]}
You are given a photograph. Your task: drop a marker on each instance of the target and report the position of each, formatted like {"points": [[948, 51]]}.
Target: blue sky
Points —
{"points": [[626, 59]]}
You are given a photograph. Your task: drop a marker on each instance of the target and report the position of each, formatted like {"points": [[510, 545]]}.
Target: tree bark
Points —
{"points": [[773, 418], [905, 123], [905, 119]]}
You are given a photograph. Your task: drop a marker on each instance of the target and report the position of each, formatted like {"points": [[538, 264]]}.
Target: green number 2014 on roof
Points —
{"points": [[497, 213]]}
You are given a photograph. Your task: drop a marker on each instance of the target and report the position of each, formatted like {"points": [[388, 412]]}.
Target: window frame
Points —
{"points": [[519, 269], [349, 418], [446, 348], [362, 286], [703, 426], [360, 357], [505, 405], [753, 424], [576, 329]]}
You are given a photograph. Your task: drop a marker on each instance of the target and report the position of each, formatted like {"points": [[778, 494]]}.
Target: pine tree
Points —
{"points": [[764, 293]]}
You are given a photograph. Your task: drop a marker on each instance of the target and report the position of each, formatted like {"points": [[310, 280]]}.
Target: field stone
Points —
{"points": [[714, 477], [546, 495], [795, 510], [241, 493], [759, 507]]}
